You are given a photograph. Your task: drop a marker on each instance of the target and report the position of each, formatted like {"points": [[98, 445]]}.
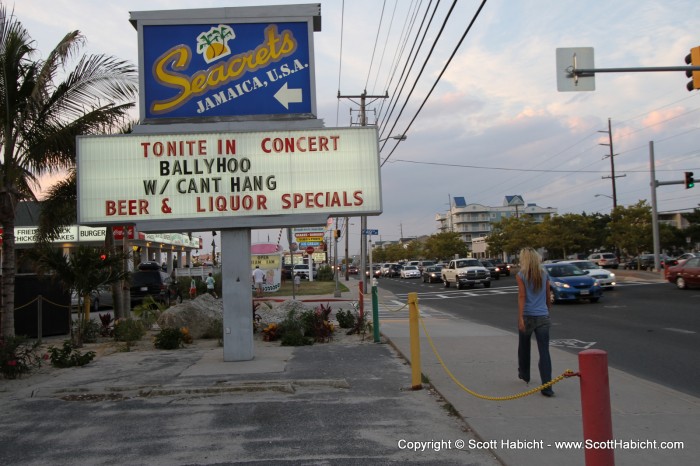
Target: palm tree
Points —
{"points": [[40, 118]]}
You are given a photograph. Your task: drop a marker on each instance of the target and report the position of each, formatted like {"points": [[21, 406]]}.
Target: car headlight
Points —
{"points": [[612, 275], [595, 283], [561, 285]]}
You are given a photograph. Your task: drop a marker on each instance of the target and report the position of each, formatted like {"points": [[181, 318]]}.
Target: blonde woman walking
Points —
{"points": [[533, 316]]}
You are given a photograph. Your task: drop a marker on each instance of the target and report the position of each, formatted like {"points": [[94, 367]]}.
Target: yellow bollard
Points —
{"points": [[416, 379]]}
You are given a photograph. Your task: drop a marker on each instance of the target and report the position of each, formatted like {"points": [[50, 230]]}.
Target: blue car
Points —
{"points": [[569, 283]]}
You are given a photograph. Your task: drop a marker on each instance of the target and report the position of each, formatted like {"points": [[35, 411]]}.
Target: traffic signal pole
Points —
{"points": [[654, 211]]}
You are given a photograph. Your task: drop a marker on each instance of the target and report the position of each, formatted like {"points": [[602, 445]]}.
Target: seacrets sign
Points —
{"points": [[137, 178]]}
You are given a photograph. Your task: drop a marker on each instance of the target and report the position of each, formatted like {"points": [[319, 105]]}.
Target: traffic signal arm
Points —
{"points": [[693, 59]]}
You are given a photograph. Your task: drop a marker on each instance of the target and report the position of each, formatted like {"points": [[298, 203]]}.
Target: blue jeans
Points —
{"points": [[539, 325]]}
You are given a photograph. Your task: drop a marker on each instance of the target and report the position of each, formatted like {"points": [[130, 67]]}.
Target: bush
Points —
{"points": [[292, 331], [168, 338], [68, 356], [325, 274], [17, 356], [304, 327], [129, 331], [346, 319], [88, 329], [149, 311]]}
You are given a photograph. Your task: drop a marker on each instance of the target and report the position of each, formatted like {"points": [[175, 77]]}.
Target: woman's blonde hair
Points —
{"points": [[530, 262]]}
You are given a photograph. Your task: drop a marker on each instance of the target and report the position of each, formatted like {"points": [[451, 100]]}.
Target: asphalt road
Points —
{"points": [[650, 330]]}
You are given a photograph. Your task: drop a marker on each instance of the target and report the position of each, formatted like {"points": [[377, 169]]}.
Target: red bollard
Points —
{"points": [[595, 408]]}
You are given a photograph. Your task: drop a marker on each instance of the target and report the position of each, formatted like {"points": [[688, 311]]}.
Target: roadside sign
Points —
{"points": [[229, 63], [370, 232], [310, 250]]}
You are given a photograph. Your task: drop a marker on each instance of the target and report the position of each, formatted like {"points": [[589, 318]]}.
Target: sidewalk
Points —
{"points": [[525, 431], [348, 402]]}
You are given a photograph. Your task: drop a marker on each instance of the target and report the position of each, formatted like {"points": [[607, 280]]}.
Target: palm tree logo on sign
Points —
{"points": [[213, 44]]}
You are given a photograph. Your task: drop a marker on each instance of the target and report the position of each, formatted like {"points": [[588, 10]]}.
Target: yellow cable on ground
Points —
{"points": [[566, 374]]}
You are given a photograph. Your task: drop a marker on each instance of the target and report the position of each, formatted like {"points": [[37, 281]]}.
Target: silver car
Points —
{"points": [[410, 271], [605, 278]]}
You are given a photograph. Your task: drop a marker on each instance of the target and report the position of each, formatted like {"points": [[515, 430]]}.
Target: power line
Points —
{"points": [[471, 23]]}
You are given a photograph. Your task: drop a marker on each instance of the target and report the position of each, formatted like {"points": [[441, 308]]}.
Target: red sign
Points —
{"points": [[118, 232], [310, 250]]}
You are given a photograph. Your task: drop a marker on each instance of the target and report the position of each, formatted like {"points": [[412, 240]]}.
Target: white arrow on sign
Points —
{"points": [[285, 96]]}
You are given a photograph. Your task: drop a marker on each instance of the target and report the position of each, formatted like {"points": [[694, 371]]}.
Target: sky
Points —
{"points": [[494, 124]]}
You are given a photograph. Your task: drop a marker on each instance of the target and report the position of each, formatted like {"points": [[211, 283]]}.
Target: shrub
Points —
{"points": [[292, 331], [17, 356], [149, 311], [88, 329], [346, 319], [68, 356], [106, 329], [129, 331], [168, 338], [325, 274]]}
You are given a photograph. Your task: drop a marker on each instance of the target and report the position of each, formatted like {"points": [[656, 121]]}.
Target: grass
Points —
{"points": [[309, 288]]}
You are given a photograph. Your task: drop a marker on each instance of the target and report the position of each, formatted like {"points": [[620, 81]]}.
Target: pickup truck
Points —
{"points": [[468, 272]]}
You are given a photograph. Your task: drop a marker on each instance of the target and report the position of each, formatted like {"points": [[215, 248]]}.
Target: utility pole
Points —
{"points": [[363, 220], [612, 163]]}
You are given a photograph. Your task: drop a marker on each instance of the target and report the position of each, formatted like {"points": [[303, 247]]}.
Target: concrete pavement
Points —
{"points": [[348, 402]]}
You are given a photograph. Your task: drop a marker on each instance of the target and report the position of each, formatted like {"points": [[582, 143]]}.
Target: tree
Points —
{"points": [[40, 118], [630, 228], [445, 245], [81, 272]]}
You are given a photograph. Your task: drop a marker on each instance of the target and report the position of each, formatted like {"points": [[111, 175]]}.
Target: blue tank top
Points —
{"points": [[535, 300]]}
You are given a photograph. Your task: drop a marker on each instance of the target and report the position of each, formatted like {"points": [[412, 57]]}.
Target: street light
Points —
{"points": [[604, 195], [398, 137]]}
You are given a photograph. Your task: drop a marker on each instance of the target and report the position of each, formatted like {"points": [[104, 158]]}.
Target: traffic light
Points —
{"points": [[689, 181], [693, 59]]}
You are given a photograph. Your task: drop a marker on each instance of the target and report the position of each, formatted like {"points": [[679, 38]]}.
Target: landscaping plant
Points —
{"points": [[18, 356], [68, 356]]}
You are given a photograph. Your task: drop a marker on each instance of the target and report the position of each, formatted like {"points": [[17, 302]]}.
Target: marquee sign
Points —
{"points": [[227, 65], [224, 176]]}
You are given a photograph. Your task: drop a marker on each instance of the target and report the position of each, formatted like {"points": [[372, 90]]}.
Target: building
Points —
{"points": [[171, 249], [474, 221]]}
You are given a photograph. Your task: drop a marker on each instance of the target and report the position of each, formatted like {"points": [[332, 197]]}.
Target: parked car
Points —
{"points": [[504, 268], [685, 275], [688, 255], [646, 262], [303, 271], [569, 283], [493, 270], [605, 259], [410, 271], [605, 278], [154, 283], [101, 297], [287, 271], [432, 274]]}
